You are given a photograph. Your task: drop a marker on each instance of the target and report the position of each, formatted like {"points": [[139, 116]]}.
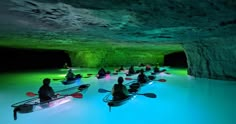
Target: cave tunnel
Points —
{"points": [[15, 59], [176, 59]]}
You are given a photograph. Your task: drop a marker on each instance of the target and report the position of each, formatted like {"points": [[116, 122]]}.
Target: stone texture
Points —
{"points": [[169, 21], [212, 59], [114, 57]]}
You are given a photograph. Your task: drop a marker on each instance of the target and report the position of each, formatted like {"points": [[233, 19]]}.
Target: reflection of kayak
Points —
{"points": [[34, 104], [134, 88]]}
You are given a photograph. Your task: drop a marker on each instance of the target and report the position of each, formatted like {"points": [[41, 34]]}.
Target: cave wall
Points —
{"points": [[19, 59], [214, 59], [114, 57]]}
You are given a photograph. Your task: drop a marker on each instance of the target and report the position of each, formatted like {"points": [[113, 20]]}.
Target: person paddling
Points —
{"points": [[70, 75], [46, 92], [101, 73], [142, 78], [119, 91], [131, 70]]}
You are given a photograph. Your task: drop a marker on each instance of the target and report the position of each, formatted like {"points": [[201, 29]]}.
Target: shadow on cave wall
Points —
{"points": [[176, 59], [30, 59]]}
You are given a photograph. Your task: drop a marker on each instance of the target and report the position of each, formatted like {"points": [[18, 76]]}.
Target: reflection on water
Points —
{"points": [[181, 100]]}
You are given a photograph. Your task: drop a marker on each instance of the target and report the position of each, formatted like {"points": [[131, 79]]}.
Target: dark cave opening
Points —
{"points": [[15, 59], [176, 59]]}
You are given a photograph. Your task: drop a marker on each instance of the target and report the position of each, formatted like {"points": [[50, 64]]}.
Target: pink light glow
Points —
{"points": [[60, 101], [108, 76]]}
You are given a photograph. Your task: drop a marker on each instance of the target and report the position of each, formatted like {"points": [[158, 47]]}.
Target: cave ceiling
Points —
{"points": [[114, 23]]}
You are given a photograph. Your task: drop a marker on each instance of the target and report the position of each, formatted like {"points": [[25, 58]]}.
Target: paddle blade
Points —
{"points": [[89, 74], [77, 95], [57, 79], [129, 79], [150, 95], [30, 94], [162, 80], [83, 86], [103, 90]]}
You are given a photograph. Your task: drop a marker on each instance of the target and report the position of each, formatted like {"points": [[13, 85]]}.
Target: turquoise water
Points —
{"points": [[181, 100]]}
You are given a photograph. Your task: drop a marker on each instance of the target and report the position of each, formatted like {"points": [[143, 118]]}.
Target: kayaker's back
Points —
{"points": [[45, 91], [119, 92]]}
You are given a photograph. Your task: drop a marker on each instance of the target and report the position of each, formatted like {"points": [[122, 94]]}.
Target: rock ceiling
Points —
{"points": [[116, 21]]}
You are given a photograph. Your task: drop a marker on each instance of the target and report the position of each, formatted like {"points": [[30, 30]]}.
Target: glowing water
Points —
{"points": [[181, 100]]}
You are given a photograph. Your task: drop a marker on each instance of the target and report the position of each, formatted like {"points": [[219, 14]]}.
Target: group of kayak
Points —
{"points": [[102, 73], [120, 93]]}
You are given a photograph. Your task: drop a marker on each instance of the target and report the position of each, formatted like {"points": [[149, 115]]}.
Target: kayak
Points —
{"points": [[34, 104], [154, 73], [74, 80], [67, 82], [134, 88], [71, 81], [114, 103], [128, 74], [101, 77]]}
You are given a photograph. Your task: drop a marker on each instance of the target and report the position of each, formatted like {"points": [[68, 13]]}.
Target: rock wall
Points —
{"points": [[114, 57], [214, 59]]}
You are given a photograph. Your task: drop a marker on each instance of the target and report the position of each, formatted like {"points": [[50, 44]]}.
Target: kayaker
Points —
{"points": [[141, 65], [45, 91], [70, 75], [148, 67], [156, 69], [121, 68], [142, 78], [101, 73], [66, 66], [119, 91], [131, 70]]}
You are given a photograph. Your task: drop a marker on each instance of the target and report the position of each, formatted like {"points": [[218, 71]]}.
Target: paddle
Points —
{"points": [[74, 95], [62, 79], [57, 79], [150, 95], [160, 80]]}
